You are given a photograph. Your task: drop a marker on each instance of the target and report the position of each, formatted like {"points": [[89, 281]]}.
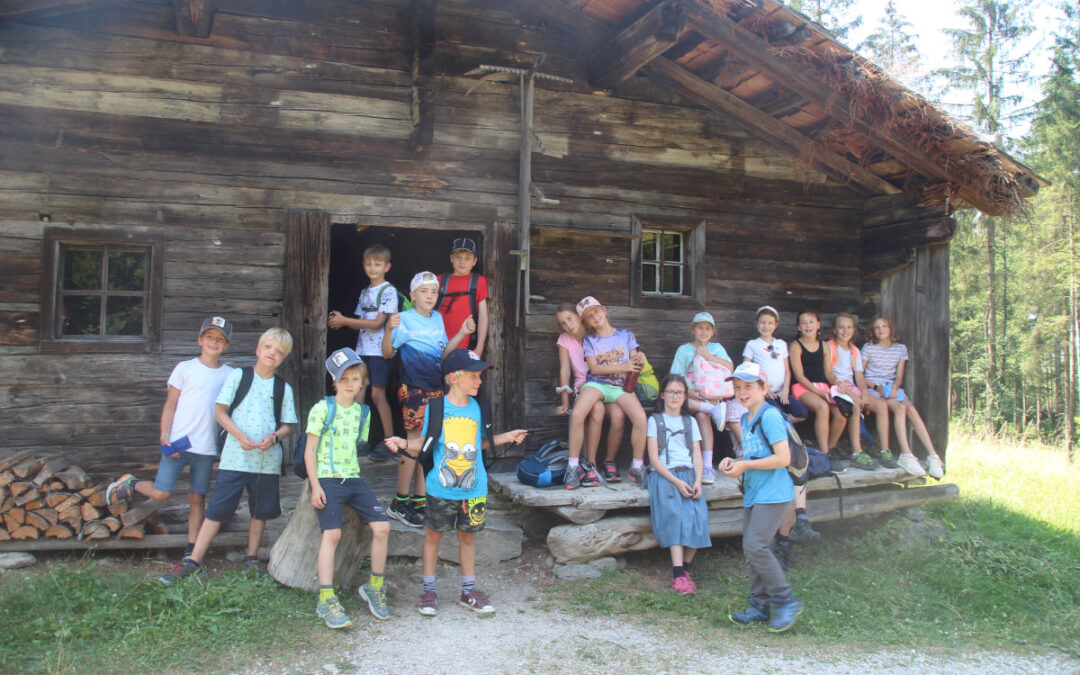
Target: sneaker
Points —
{"points": [[476, 601], [637, 475], [376, 601], [835, 465], [611, 472], [588, 474], [574, 474], [784, 615], [333, 614], [708, 475], [934, 467], [252, 563], [908, 463], [781, 549], [404, 513], [120, 490], [887, 460], [802, 533], [861, 460], [187, 568], [379, 452], [754, 613], [419, 509], [683, 585], [429, 603]]}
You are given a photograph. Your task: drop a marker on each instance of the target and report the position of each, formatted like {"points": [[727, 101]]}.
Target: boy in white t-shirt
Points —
{"points": [[189, 433]]}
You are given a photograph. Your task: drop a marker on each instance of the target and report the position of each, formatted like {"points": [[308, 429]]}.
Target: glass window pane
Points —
{"points": [[124, 316], [80, 315], [648, 245], [672, 247], [648, 278], [672, 280], [82, 269], [127, 270]]}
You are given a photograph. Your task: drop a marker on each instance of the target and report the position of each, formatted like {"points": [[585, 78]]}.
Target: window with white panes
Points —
{"points": [[663, 262]]}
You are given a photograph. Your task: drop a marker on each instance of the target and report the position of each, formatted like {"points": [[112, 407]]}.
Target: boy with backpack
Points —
{"points": [[255, 408], [464, 294], [334, 426], [188, 431], [457, 429], [376, 303]]}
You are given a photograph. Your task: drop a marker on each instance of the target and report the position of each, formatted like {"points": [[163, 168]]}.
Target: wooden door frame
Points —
{"points": [[307, 275]]}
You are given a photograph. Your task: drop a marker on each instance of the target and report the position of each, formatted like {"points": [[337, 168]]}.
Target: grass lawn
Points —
{"points": [[1007, 570]]}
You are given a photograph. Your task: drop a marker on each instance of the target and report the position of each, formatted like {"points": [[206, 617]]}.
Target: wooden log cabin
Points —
{"points": [[165, 160]]}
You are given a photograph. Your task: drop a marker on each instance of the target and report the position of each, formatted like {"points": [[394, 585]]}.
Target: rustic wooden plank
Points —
{"points": [[194, 18], [37, 9], [305, 306], [636, 45], [883, 239], [18, 328], [161, 541]]}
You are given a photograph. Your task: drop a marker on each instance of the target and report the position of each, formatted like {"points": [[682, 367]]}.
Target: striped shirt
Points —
{"points": [[880, 363]]}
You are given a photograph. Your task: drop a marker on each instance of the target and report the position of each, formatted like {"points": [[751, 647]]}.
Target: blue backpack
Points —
{"points": [[547, 466], [299, 467]]}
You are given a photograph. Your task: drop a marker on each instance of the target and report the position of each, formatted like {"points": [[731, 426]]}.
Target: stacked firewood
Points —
{"points": [[46, 497]]}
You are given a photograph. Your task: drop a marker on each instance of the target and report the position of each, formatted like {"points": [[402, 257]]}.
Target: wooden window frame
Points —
{"points": [[57, 237], [693, 236]]}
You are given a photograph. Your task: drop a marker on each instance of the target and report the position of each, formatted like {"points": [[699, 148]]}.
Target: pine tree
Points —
{"points": [[834, 15], [892, 47]]}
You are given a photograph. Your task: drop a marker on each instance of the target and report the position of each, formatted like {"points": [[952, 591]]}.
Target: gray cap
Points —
{"points": [[340, 361], [219, 322]]}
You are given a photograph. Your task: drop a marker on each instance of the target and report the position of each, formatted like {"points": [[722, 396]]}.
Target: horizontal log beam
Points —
{"points": [[194, 18], [38, 9], [636, 45], [907, 234], [150, 541]]}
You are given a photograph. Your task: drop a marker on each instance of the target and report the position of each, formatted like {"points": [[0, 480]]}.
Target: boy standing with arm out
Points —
{"points": [[247, 463], [378, 301], [420, 336], [456, 480], [188, 430], [464, 294], [334, 473]]}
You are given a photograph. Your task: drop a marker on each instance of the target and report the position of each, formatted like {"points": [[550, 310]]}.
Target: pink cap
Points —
{"points": [[587, 303]]}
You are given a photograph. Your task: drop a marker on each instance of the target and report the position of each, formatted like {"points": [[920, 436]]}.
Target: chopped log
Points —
{"points": [[4, 536], [51, 515], [54, 499], [133, 532], [74, 478], [25, 532], [11, 460], [69, 512], [155, 526], [6, 478], [73, 501], [94, 530], [27, 467], [3, 494], [19, 487], [140, 512], [14, 518], [59, 531], [75, 522], [49, 469], [117, 508], [87, 491], [90, 512], [113, 523], [292, 560], [27, 496], [97, 499], [34, 505], [7, 504], [35, 519], [54, 485]]}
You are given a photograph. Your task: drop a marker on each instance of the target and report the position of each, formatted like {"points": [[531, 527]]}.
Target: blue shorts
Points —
{"points": [[262, 491], [352, 491], [794, 408], [378, 369], [168, 472]]}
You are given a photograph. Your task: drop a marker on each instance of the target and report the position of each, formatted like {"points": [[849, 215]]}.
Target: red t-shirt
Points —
{"points": [[455, 309]]}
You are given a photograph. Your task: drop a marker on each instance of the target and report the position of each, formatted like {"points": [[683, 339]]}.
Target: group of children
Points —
{"points": [[832, 380]]}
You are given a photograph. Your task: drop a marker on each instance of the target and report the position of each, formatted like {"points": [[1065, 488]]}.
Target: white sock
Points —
{"points": [[705, 407], [638, 463], [572, 462], [706, 457]]}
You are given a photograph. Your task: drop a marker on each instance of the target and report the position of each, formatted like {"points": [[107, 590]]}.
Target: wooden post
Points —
{"points": [[506, 345]]}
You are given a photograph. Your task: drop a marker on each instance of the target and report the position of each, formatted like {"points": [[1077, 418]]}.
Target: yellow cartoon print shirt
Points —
{"points": [[458, 471]]}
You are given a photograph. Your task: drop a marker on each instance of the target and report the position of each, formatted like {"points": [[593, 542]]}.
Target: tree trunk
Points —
{"points": [[1074, 349], [991, 323]]}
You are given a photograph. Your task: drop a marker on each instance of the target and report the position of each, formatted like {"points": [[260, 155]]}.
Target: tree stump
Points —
{"points": [[293, 558]]}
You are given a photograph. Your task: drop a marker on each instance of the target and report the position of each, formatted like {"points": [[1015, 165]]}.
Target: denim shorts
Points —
{"points": [[262, 491], [378, 369], [466, 515], [352, 491], [168, 472]]}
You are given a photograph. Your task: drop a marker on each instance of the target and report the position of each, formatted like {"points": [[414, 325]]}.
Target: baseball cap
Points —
{"points": [[219, 322], [704, 317], [464, 244], [423, 279], [464, 359], [587, 303], [748, 371], [340, 361]]}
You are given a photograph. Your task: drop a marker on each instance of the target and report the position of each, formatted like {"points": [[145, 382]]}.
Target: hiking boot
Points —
{"points": [[588, 474], [934, 467], [887, 460], [683, 585], [379, 452], [404, 513], [376, 601], [476, 601], [802, 533], [254, 566], [835, 465], [908, 463], [333, 614], [637, 475], [611, 472], [120, 490], [187, 568], [708, 475], [754, 613], [861, 460], [574, 474], [781, 549], [784, 615], [429, 603]]}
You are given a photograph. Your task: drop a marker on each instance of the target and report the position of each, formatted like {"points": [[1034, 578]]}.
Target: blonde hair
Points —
{"points": [[564, 307], [277, 337], [889, 323], [844, 315], [455, 373], [359, 367]]}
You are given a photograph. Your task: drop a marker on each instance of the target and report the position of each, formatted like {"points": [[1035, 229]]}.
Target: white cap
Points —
{"points": [[423, 279]]}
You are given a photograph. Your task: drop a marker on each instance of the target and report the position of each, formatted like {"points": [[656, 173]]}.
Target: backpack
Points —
{"points": [[709, 380], [434, 430], [800, 462], [833, 354], [662, 434], [444, 285], [547, 466], [403, 301], [247, 376], [298, 466]]}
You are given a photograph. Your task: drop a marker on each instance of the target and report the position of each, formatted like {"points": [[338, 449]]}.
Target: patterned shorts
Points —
{"points": [[444, 515], [413, 404]]}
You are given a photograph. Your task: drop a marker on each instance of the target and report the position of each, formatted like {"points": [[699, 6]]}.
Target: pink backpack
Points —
{"points": [[709, 380]]}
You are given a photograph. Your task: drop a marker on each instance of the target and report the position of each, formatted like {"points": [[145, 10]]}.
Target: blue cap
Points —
{"points": [[464, 359], [340, 361]]}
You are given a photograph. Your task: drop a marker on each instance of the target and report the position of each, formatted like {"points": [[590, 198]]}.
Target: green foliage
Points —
{"points": [[838, 16], [892, 47]]}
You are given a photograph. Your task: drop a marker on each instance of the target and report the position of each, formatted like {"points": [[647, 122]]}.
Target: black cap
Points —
{"points": [[464, 244], [463, 359]]}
